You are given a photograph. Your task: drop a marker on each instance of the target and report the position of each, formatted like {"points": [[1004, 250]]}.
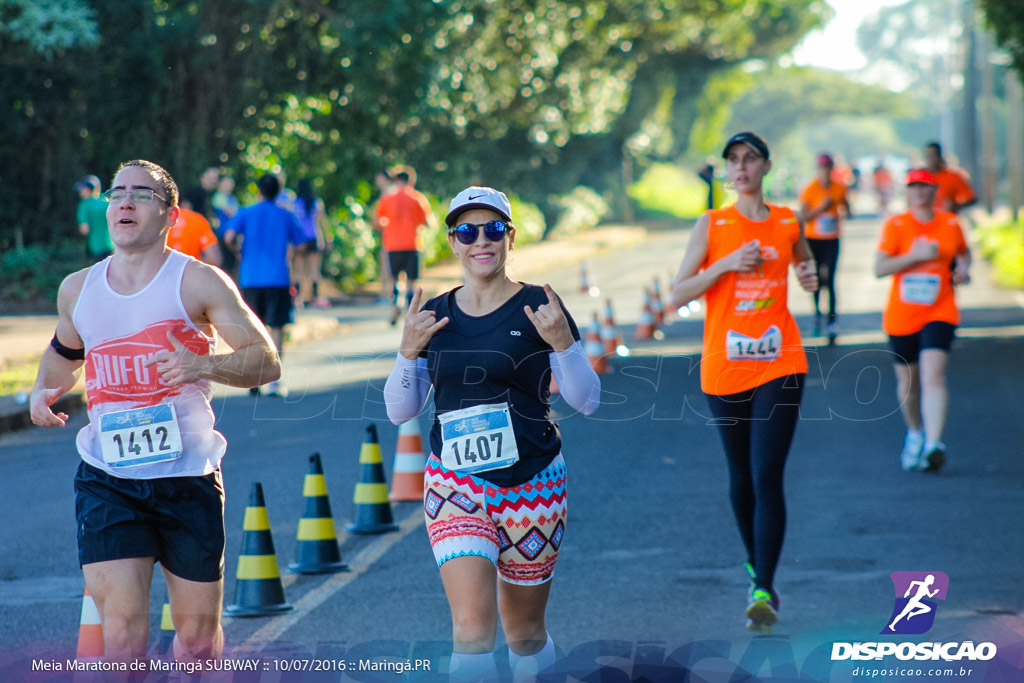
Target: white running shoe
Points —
{"points": [[276, 388], [910, 457]]}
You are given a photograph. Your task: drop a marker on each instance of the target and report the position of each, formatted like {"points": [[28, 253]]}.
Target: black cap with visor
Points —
{"points": [[751, 140]]}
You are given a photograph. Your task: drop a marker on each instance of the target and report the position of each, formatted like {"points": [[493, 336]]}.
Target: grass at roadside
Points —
{"points": [[1002, 243], [17, 375]]}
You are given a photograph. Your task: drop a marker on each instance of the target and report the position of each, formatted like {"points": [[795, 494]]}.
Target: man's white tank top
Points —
{"points": [[122, 332]]}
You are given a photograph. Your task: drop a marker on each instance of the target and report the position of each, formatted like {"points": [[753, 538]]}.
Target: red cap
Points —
{"points": [[825, 160], [920, 175]]}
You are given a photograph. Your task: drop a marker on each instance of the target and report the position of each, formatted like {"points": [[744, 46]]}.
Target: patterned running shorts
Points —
{"points": [[519, 529]]}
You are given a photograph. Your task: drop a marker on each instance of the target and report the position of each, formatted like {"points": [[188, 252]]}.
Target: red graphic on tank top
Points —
{"points": [[116, 372]]}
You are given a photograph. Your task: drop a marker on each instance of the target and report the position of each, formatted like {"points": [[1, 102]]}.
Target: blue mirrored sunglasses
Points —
{"points": [[467, 233]]}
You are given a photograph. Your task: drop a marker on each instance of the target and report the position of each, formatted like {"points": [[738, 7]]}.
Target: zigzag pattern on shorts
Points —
{"points": [[527, 573]]}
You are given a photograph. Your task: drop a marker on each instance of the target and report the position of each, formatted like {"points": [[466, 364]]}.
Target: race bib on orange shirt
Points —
{"points": [[919, 288], [743, 347]]}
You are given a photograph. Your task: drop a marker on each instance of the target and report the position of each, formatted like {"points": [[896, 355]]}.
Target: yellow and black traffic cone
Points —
{"points": [[372, 509], [164, 647], [318, 551], [258, 589]]}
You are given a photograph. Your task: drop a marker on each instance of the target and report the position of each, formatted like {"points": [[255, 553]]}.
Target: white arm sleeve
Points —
{"points": [[405, 392], [579, 384]]}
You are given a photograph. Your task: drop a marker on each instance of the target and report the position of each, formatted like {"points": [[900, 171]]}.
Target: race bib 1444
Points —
{"points": [[743, 347]]}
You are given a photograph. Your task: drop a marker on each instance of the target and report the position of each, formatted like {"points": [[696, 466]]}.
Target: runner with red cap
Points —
{"points": [[918, 248], [753, 363], [820, 205]]}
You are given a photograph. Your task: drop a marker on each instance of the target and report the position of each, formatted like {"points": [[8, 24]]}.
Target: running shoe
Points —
{"points": [[752, 573], [320, 302], [276, 388], [832, 330], [762, 610], [396, 313], [913, 446], [254, 391], [934, 457], [816, 330]]}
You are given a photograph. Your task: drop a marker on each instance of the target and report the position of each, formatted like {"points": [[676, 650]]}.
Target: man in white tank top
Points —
{"points": [[144, 324]]}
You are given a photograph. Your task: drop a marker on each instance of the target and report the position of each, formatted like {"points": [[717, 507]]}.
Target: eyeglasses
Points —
{"points": [[467, 233], [141, 195]]}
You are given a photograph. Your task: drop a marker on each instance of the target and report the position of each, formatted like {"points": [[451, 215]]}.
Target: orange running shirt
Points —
{"points": [[750, 336], [826, 225], [923, 293], [400, 214], [191, 234], [952, 187]]}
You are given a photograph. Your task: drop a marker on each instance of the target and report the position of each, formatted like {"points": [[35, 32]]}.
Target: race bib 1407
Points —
{"points": [[478, 439]]}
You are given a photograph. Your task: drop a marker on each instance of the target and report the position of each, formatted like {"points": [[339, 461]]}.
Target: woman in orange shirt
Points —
{"points": [[820, 203], [753, 362], [918, 249]]}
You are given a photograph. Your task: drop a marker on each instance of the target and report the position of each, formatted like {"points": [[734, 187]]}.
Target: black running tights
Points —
{"points": [[757, 429], [826, 256]]}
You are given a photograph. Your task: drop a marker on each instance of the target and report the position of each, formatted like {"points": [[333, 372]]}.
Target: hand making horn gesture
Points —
{"points": [[419, 327], [550, 322]]}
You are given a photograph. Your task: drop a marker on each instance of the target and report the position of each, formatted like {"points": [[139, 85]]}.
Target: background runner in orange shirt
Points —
{"points": [[400, 215], [820, 205], [919, 248], [753, 363], [192, 235], [953, 190]]}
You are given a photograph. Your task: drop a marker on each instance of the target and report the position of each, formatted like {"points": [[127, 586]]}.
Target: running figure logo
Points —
{"points": [[914, 610]]}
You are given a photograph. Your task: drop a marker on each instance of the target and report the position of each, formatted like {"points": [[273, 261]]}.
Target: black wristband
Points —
{"points": [[65, 351]]}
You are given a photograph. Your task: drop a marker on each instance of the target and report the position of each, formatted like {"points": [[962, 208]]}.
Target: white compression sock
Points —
{"points": [[465, 667], [526, 667]]}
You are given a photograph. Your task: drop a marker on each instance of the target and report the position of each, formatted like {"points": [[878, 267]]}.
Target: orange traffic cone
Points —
{"points": [[657, 309], [258, 589], [645, 325], [610, 336], [373, 511], [410, 461], [586, 283], [317, 551], [90, 631], [594, 349]]}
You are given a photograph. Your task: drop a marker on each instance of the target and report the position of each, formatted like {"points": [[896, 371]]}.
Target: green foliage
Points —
{"points": [[1005, 18], [784, 99], [48, 27], [1003, 245], [582, 209], [31, 274], [673, 190], [535, 97]]}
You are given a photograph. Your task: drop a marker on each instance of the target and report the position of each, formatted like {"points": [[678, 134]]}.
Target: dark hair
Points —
{"points": [[934, 145], [304, 191], [269, 185], [160, 175], [402, 176]]}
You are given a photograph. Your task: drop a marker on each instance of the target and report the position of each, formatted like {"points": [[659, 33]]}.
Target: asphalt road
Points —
{"points": [[650, 576]]}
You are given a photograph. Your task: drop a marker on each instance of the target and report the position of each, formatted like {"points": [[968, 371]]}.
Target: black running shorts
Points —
{"points": [[405, 261], [934, 335], [179, 521], [272, 305]]}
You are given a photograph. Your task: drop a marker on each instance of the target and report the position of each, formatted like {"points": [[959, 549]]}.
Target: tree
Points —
{"points": [[1006, 20], [536, 96]]}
